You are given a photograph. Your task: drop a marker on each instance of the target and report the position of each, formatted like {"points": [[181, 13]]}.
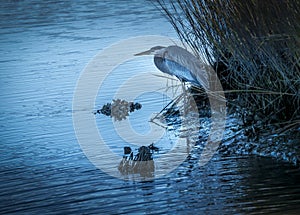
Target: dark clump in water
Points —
{"points": [[118, 109], [144, 153], [141, 164]]}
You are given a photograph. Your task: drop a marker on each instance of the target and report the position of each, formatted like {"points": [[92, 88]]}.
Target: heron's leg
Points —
{"points": [[184, 98], [172, 103], [176, 100]]}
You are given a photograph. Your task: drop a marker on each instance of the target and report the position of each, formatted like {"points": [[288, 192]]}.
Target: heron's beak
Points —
{"points": [[148, 52]]}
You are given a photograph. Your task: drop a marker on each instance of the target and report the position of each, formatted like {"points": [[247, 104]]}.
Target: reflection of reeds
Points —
{"points": [[253, 45]]}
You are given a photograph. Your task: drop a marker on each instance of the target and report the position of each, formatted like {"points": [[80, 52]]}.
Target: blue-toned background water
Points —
{"points": [[44, 46]]}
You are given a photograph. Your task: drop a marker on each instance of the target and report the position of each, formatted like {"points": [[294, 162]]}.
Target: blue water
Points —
{"points": [[44, 47]]}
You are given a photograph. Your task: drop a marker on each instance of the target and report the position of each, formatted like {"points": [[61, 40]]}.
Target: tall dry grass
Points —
{"points": [[254, 46]]}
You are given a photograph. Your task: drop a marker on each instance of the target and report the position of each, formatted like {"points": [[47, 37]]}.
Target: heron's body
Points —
{"points": [[173, 68], [177, 61]]}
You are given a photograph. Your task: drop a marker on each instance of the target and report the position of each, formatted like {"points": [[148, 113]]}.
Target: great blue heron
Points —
{"points": [[177, 61]]}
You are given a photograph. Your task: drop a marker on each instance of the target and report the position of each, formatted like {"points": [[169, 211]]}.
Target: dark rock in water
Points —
{"points": [[127, 150], [153, 148], [137, 106], [144, 154], [142, 164], [131, 106], [106, 109]]}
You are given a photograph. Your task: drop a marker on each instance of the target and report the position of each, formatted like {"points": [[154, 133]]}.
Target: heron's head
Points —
{"points": [[156, 50]]}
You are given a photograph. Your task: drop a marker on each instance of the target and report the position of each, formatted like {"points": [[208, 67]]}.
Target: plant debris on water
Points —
{"points": [[118, 109]]}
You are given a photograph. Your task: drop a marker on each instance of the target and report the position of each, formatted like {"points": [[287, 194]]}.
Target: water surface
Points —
{"points": [[44, 46]]}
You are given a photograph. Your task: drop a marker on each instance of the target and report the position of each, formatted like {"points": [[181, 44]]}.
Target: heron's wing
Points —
{"points": [[181, 72], [196, 70]]}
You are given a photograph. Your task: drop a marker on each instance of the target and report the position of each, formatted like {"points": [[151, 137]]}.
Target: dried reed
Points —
{"points": [[254, 46]]}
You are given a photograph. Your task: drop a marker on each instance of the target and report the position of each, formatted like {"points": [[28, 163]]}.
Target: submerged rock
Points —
{"points": [[142, 163], [144, 154]]}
